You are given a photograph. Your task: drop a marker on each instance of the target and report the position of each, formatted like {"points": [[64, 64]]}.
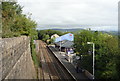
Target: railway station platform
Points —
{"points": [[69, 66]]}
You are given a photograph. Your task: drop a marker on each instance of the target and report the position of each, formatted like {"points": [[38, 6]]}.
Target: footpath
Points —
{"points": [[71, 69]]}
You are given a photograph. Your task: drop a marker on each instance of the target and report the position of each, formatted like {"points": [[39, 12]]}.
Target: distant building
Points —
{"points": [[65, 42], [68, 36], [65, 45], [88, 29], [54, 36]]}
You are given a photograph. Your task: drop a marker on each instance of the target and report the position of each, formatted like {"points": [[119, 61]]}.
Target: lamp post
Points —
{"points": [[93, 58]]}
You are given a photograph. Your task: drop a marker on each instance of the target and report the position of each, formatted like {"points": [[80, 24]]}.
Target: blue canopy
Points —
{"points": [[68, 36]]}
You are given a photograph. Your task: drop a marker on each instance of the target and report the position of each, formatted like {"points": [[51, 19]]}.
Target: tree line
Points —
{"points": [[15, 23], [46, 35], [107, 53]]}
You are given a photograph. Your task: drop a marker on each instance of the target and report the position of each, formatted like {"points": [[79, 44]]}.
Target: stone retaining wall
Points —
{"points": [[16, 58]]}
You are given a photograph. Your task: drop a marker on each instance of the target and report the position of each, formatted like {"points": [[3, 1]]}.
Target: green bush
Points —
{"points": [[15, 24], [106, 53], [87, 62], [34, 55]]}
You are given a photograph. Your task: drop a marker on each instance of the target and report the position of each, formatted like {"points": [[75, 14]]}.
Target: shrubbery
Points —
{"points": [[46, 35], [106, 53], [15, 24]]}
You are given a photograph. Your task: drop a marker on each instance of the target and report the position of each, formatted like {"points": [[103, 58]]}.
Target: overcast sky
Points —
{"points": [[72, 12]]}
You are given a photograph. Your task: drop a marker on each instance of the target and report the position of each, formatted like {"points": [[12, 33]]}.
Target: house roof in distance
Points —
{"points": [[68, 36]]}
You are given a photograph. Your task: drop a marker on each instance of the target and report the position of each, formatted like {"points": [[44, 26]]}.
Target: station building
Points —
{"points": [[65, 43]]}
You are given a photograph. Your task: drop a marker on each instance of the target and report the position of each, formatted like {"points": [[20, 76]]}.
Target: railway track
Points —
{"points": [[51, 69]]}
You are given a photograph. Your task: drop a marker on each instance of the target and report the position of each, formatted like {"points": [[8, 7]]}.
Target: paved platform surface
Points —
{"points": [[68, 65]]}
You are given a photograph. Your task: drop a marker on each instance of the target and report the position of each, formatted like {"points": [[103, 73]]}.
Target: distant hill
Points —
{"points": [[77, 29], [111, 32], [68, 30]]}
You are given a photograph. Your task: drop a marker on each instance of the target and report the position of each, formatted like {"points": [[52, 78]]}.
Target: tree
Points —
{"points": [[106, 53], [43, 34], [14, 23], [45, 38]]}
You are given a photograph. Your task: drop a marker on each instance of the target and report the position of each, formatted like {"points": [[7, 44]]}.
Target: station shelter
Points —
{"points": [[65, 43], [66, 46]]}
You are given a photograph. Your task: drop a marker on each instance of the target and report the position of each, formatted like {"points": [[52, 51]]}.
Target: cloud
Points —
{"points": [[64, 12]]}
